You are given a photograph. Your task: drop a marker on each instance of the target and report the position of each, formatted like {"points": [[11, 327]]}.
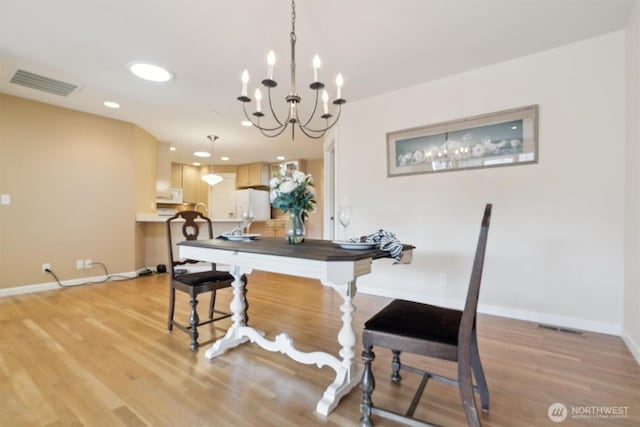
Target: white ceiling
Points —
{"points": [[378, 46]]}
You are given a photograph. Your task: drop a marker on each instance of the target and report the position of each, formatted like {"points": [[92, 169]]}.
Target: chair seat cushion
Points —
{"points": [[417, 320], [202, 277]]}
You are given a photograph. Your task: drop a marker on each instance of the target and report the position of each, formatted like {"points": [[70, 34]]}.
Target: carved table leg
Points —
{"points": [[238, 308], [347, 376]]}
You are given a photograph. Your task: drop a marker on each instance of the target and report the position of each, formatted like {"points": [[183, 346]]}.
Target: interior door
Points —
{"points": [[222, 198]]}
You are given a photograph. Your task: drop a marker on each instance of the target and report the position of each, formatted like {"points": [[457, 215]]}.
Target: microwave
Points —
{"points": [[174, 197]]}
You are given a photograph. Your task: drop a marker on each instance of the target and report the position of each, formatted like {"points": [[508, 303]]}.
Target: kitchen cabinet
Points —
{"points": [[203, 188], [190, 183], [242, 176], [253, 175], [275, 227], [176, 175], [188, 178]]}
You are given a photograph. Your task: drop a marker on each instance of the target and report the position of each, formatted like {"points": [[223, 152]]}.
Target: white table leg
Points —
{"points": [[233, 338], [347, 376]]}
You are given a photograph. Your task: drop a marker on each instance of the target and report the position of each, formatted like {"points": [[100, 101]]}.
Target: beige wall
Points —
{"points": [[555, 250], [631, 325], [76, 181]]}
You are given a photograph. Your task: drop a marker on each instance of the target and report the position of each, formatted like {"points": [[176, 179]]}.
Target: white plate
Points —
{"points": [[238, 237], [353, 245]]}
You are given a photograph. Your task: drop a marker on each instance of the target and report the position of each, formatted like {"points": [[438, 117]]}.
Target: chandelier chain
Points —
{"points": [[293, 47], [293, 18]]}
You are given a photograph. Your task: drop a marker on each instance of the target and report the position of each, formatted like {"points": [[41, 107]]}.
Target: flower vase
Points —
{"points": [[295, 227]]}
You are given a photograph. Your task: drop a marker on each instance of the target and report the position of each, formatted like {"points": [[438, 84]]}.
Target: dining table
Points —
{"points": [[335, 265]]}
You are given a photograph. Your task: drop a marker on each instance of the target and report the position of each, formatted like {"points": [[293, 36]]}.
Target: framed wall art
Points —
{"points": [[504, 138]]}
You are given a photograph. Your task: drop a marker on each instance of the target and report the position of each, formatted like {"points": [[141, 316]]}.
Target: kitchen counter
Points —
{"points": [[152, 235], [151, 217]]}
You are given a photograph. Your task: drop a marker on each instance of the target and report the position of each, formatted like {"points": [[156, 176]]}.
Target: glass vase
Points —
{"points": [[295, 227]]}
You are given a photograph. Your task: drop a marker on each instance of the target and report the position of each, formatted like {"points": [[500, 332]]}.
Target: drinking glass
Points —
{"points": [[248, 216], [344, 215]]}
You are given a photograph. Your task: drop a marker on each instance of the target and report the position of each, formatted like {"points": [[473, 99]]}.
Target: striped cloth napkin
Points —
{"points": [[385, 240]]}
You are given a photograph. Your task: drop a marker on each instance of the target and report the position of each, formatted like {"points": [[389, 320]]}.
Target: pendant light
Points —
{"points": [[211, 178]]}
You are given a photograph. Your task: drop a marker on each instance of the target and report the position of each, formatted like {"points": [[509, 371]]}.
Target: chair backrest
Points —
{"points": [[190, 231], [467, 323]]}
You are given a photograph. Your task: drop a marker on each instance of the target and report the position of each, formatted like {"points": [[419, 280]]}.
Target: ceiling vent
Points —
{"points": [[45, 84]]}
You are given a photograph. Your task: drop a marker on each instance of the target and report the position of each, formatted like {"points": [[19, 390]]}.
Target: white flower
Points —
{"points": [[298, 177], [294, 193], [287, 186], [274, 182]]}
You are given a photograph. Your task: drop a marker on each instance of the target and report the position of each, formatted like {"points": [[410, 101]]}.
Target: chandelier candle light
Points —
{"points": [[293, 99]]}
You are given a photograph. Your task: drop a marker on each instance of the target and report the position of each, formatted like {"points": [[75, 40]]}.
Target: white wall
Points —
{"points": [[555, 251], [631, 324]]}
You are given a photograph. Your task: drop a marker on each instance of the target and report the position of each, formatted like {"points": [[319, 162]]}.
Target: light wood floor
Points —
{"points": [[100, 356]]}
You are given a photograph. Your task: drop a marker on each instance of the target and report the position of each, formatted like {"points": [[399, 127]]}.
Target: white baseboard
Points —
{"points": [[531, 316], [632, 345], [48, 286]]}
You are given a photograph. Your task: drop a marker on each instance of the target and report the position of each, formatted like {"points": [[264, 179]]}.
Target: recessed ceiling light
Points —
{"points": [[224, 158], [246, 123], [195, 164], [202, 154], [280, 158], [150, 72], [172, 148], [111, 104]]}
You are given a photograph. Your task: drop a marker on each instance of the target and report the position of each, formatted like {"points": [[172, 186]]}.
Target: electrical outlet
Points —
{"points": [[88, 263], [79, 264], [443, 280], [46, 267]]}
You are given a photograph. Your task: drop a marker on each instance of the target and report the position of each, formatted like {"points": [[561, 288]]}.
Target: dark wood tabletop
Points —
{"points": [[320, 250]]}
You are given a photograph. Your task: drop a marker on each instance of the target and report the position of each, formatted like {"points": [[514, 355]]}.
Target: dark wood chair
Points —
{"points": [[194, 283], [432, 331]]}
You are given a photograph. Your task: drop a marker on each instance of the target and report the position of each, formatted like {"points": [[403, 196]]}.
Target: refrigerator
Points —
{"points": [[258, 199]]}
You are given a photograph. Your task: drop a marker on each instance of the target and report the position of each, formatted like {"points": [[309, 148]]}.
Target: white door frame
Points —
{"points": [[329, 150]]}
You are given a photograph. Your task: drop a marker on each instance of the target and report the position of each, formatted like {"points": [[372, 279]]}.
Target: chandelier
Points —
{"points": [[293, 99], [211, 178]]}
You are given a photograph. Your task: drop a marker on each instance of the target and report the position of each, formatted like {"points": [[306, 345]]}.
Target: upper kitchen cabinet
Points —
{"points": [[252, 175], [188, 178], [190, 183], [176, 175]]}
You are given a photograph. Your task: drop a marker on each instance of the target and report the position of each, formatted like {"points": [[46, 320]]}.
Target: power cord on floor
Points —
{"points": [[108, 277]]}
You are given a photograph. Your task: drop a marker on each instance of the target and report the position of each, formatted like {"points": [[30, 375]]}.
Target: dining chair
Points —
{"points": [[196, 283], [432, 331]]}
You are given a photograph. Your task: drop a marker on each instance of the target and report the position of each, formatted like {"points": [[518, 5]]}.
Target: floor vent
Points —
{"points": [[560, 329], [45, 84]]}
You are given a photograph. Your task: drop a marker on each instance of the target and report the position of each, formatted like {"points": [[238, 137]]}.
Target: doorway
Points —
{"points": [[329, 186]]}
